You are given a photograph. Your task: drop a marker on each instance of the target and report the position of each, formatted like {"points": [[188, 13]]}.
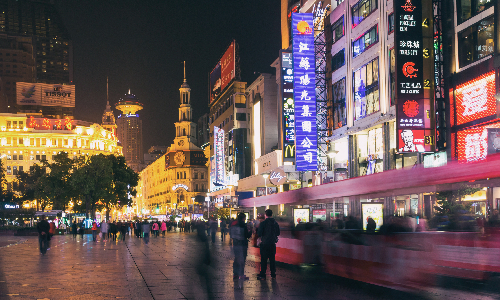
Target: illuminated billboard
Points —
{"points": [[45, 94], [413, 112], [288, 105], [304, 83], [227, 66], [472, 144], [475, 99], [219, 178], [50, 124], [374, 211], [300, 215], [223, 73]]}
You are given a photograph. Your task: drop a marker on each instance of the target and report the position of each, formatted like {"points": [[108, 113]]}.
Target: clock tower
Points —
{"points": [[185, 128], [185, 162]]}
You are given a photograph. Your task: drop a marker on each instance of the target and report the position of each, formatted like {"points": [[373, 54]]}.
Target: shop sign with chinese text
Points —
{"points": [[306, 139], [288, 105], [219, 156]]}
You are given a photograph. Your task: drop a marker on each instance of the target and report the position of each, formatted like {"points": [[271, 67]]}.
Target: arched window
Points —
{"points": [[183, 131]]}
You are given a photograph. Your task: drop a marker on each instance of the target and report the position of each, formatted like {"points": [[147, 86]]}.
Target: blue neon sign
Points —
{"points": [[306, 137]]}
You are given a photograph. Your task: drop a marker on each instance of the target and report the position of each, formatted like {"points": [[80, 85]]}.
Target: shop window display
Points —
{"points": [[366, 90], [339, 104], [476, 42]]}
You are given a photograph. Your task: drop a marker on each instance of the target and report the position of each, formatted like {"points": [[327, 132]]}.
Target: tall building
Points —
{"points": [[203, 131], [176, 182], [129, 130], [40, 24]]}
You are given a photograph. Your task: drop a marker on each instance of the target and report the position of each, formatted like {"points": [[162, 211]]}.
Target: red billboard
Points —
{"points": [[475, 99], [415, 140], [472, 144], [223, 73], [228, 66]]}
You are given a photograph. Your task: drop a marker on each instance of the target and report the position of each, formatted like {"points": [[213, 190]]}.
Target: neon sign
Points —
{"points": [[472, 144], [219, 156], [288, 103], [306, 138], [51, 124], [476, 99]]}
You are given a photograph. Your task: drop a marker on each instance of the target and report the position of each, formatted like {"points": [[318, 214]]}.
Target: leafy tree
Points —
{"points": [[449, 202], [3, 180], [91, 179], [55, 185], [28, 184], [124, 181]]}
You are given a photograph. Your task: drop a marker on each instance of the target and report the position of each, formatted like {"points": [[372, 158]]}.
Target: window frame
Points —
{"points": [[357, 7], [362, 38], [336, 56], [474, 33], [335, 26]]}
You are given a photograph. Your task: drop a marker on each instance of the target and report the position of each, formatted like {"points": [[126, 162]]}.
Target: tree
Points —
{"points": [[55, 185], [3, 180], [91, 180], [28, 184], [124, 181]]}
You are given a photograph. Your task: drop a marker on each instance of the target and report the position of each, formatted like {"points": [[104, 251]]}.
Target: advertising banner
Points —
{"points": [[50, 124], [472, 144], [300, 215], [306, 135], [288, 105], [413, 114], [45, 94], [28, 93], [319, 214], [493, 141], [228, 66], [215, 83], [476, 99], [219, 156], [374, 211]]}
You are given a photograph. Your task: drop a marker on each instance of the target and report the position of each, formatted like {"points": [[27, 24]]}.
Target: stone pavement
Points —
{"points": [[166, 268]]}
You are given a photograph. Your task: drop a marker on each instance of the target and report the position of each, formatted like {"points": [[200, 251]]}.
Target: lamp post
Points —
{"points": [[265, 175]]}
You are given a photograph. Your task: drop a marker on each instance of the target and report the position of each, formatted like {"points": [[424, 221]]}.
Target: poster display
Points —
{"points": [[223, 73], [374, 211], [319, 214], [304, 81], [300, 215], [45, 94]]}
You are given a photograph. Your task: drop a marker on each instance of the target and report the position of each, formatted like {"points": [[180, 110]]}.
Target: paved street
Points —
{"points": [[166, 268]]}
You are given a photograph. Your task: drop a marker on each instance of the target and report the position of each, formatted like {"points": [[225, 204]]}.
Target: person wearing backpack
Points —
{"points": [[268, 232], [240, 235]]}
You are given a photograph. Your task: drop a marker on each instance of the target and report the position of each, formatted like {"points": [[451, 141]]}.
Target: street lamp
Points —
{"points": [[265, 175]]}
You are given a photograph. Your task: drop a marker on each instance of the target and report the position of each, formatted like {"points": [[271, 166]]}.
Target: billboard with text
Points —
{"points": [[45, 94]]}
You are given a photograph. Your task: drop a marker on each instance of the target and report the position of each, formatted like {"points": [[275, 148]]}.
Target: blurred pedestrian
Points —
{"points": [[240, 235], [155, 229], [213, 229], [163, 228], [43, 228], [113, 230], [223, 229], [146, 229], [74, 229], [268, 231], [104, 230], [52, 231], [123, 230], [94, 231]]}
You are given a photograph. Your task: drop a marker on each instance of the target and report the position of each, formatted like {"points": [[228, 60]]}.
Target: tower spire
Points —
{"points": [[107, 91], [184, 71]]}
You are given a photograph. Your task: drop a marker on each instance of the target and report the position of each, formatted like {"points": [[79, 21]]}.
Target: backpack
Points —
{"points": [[237, 232]]}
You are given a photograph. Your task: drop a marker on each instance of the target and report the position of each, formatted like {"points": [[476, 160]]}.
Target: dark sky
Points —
{"points": [[141, 45]]}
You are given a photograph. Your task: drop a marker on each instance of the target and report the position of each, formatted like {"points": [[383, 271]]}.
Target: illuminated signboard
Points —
{"points": [[413, 112], [219, 156], [472, 144], [223, 73], [45, 94], [50, 124], [434, 160], [288, 105], [180, 185], [300, 215], [374, 211], [476, 99], [304, 83], [228, 66]]}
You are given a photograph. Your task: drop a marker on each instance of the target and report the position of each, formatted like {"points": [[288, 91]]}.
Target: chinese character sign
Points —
{"points": [[219, 156], [306, 139], [475, 99], [288, 103]]}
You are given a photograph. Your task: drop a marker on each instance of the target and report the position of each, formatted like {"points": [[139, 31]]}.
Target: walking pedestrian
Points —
{"points": [[52, 231], [43, 228], [155, 229], [146, 228], [82, 229], [268, 231], [113, 230], [222, 229], [94, 231], [163, 228], [213, 229], [240, 235], [74, 229], [104, 229], [123, 230]]}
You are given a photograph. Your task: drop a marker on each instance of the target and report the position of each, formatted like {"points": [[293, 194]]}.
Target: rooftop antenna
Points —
{"points": [[184, 71]]}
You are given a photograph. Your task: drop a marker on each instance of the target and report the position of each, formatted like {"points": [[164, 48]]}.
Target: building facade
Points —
{"points": [[26, 140], [129, 130]]}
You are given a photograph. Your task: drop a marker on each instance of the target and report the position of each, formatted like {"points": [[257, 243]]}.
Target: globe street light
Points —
{"points": [[265, 175]]}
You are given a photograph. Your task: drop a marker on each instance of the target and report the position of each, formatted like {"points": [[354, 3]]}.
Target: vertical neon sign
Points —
{"points": [[219, 156], [306, 137], [288, 106]]}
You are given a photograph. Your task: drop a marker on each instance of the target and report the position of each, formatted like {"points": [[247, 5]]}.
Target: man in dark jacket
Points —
{"points": [[268, 231], [43, 228], [240, 235]]}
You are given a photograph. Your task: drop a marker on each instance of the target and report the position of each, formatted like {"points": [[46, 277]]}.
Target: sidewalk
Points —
{"points": [[166, 268]]}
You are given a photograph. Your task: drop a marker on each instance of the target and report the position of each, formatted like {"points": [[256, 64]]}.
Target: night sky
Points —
{"points": [[141, 45]]}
